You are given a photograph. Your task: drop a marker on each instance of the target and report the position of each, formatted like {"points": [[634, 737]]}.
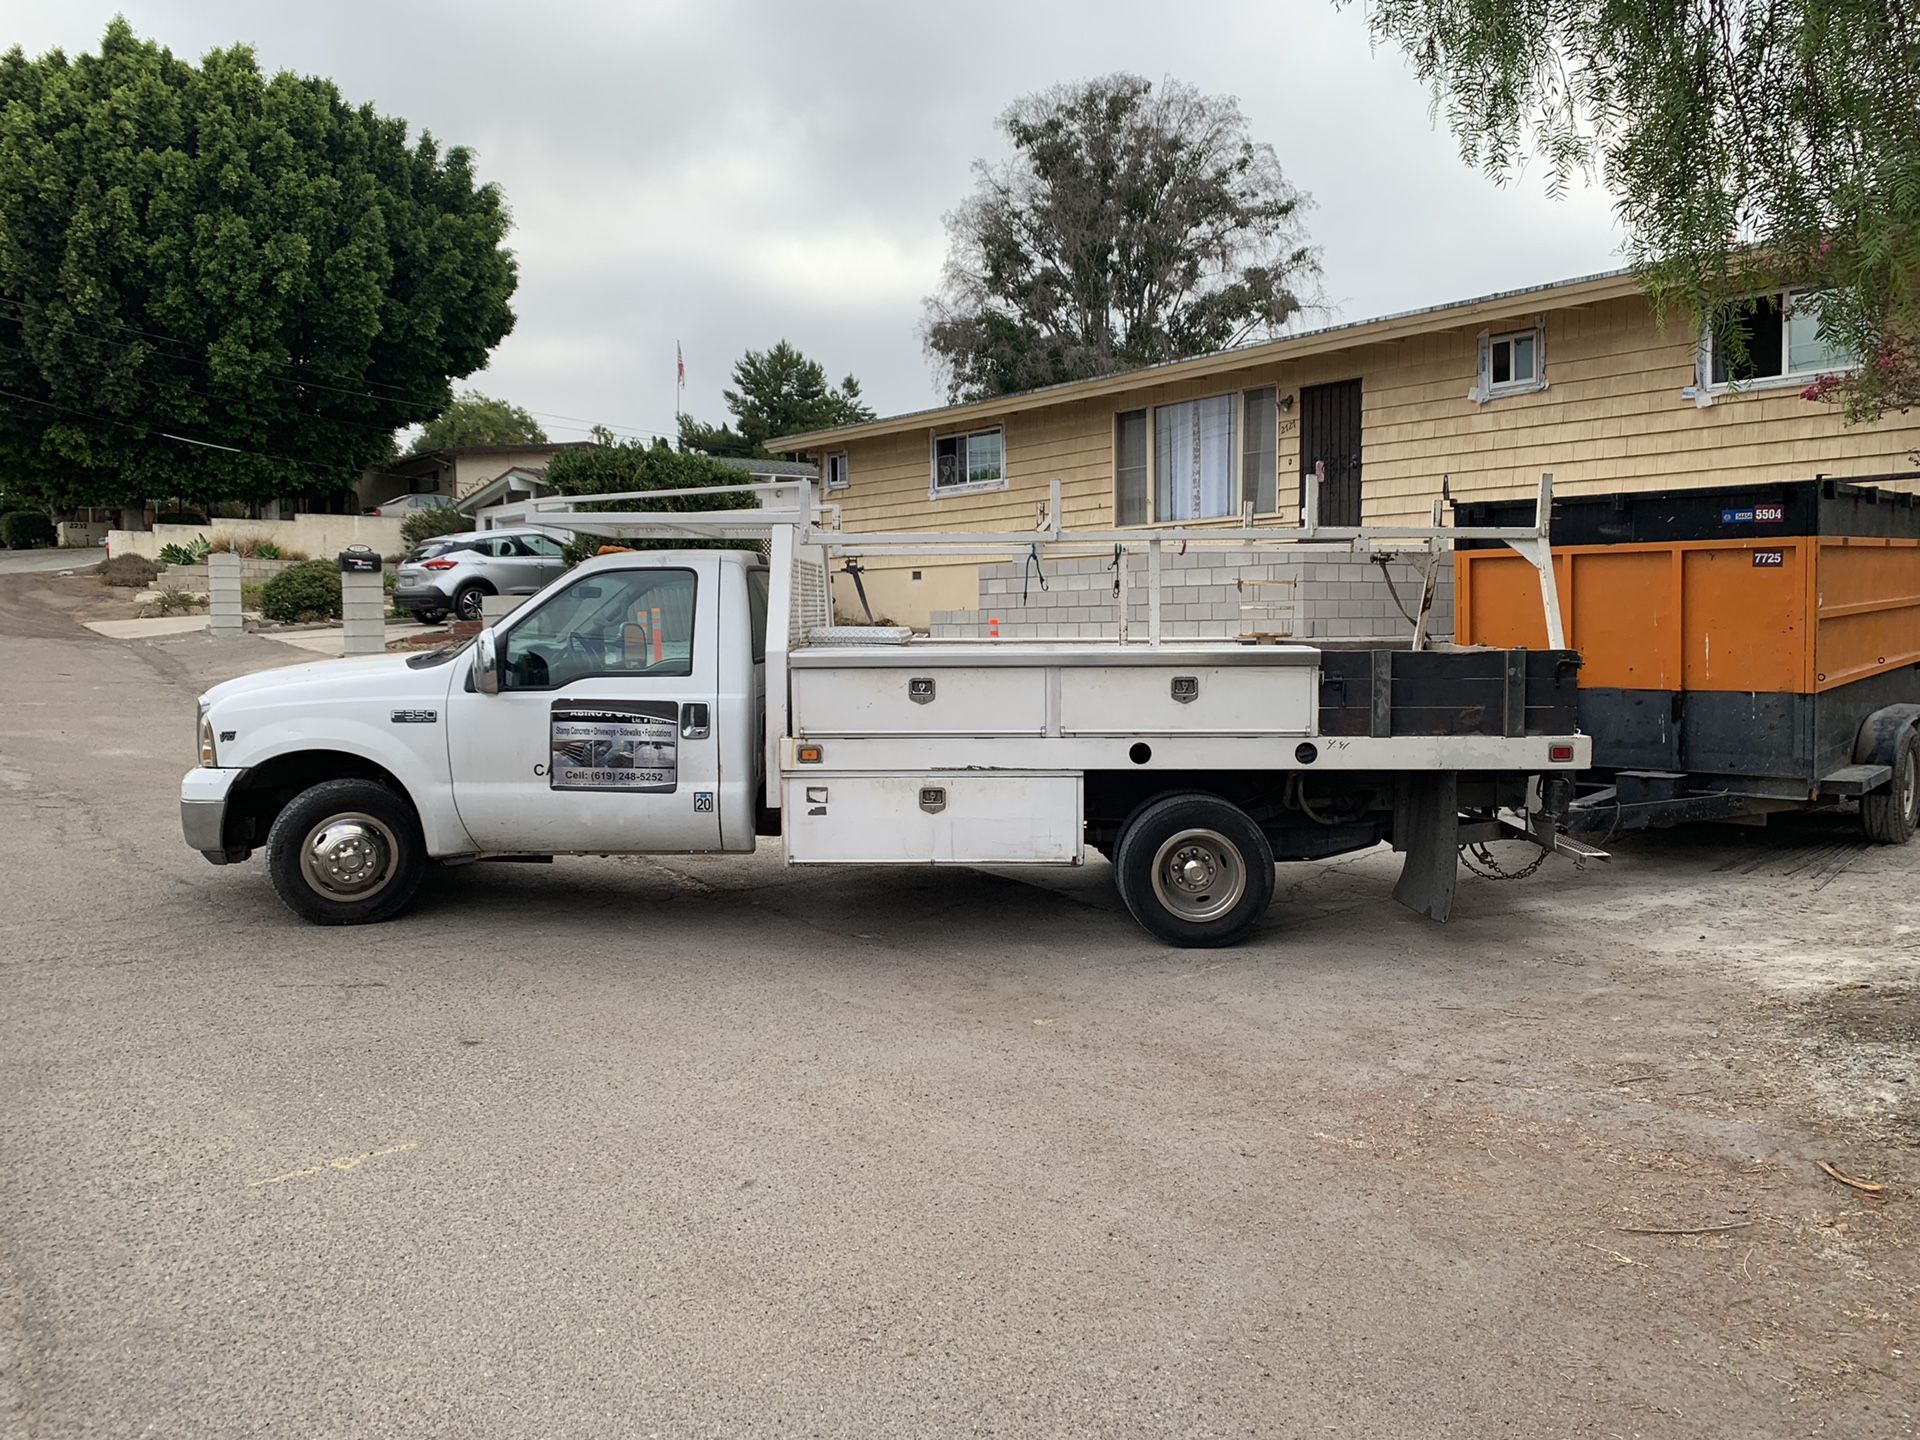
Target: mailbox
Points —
{"points": [[359, 560]]}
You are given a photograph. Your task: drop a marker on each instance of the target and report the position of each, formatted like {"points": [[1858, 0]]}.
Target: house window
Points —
{"points": [[1776, 337], [835, 472], [1260, 456], [1513, 363], [1197, 460], [1130, 467], [976, 461], [1514, 360]]}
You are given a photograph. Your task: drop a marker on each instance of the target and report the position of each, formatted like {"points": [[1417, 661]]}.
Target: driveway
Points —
{"points": [[714, 1148], [35, 562]]}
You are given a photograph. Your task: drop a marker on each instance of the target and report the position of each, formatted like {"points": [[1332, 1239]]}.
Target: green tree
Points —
{"points": [[776, 392], [476, 419], [1129, 226], [637, 465], [1746, 145], [253, 264]]}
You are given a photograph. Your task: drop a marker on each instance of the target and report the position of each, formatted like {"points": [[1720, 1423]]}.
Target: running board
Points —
{"points": [[1561, 842]]}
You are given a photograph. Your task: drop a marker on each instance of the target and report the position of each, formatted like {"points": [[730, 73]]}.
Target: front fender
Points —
{"points": [[406, 736]]}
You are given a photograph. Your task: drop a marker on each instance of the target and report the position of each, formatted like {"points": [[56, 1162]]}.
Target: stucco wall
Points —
{"points": [[318, 535]]}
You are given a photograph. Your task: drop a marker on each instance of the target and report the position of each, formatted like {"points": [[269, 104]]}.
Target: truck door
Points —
{"points": [[601, 737]]}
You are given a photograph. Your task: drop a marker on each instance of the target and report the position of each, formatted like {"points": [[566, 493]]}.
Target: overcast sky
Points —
{"points": [[726, 174]]}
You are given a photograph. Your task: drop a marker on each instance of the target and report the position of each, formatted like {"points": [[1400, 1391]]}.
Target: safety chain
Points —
{"points": [[1480, 861]]}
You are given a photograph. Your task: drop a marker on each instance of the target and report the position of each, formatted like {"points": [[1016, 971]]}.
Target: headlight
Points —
{"points": [[207, 756]]}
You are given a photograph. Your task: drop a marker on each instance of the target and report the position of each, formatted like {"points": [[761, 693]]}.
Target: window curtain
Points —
{"points": [[1194, 448]]}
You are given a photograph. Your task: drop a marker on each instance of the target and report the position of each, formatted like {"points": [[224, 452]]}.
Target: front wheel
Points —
{"points": [[1194, 870], [346, 852], [1892, 813]]}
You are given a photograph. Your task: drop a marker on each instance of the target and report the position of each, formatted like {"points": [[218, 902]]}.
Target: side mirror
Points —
{"points": [[486, 663]]}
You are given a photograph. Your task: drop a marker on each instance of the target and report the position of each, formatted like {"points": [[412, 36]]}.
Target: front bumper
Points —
{"points": [[203, 812]]}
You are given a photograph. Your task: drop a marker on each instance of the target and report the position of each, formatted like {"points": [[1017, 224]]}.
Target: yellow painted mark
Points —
{"points": [[344, 1162]]}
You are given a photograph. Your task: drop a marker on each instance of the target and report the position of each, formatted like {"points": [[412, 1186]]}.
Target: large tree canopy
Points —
{"points": [[1749, 144], [476, 419], [1130, 225], [273, 276], [776, 392]]}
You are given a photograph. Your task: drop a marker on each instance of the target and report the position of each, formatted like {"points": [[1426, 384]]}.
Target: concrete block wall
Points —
{"points": [[1335, 597], [193, 579]]}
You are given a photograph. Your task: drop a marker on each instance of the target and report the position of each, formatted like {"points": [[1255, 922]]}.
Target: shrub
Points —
{"points": [[434, 520], [172, 602], [309, 591], [175, 555], [180, 517], [26, 530], [252, 547], [230, 510], [129, 572]]}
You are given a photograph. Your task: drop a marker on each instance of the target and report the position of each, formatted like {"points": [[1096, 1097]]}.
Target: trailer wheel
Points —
{"points": [[1892, 813], [1194, 870], [346, 852]]}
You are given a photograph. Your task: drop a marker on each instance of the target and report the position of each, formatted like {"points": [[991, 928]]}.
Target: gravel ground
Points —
{"points": [[710, 1147]]}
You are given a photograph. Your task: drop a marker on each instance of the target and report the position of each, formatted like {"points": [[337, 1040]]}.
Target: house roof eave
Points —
{"points": [[1563, 294]]}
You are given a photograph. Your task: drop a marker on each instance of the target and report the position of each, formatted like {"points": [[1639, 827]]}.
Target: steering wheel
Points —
{"points": [[592, 657]]}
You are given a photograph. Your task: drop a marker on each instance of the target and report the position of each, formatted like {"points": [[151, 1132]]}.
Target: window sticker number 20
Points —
{"points": [[1769, 559]]}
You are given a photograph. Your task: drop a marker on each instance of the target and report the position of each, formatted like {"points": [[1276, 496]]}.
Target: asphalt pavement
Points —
{"points": [[716, 1148]]}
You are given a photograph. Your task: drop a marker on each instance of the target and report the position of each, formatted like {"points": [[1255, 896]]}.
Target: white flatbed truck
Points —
{"points": [[699, 700]]}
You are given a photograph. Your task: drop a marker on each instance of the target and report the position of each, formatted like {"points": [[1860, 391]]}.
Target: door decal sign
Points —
{"points": [[615, 745]]}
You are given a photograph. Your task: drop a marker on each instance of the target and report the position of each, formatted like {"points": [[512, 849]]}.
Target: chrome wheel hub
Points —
{"points": [[1199, 875], [349, 857]]}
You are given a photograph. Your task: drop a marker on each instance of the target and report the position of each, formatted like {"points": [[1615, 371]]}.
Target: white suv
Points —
{"points": [[451, 574]]}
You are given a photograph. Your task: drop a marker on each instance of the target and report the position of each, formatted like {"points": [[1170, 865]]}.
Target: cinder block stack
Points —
{"points": [[1335, 596]]}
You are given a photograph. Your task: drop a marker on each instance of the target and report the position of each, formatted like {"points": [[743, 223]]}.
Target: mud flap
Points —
{"points": [[1426, 827]]}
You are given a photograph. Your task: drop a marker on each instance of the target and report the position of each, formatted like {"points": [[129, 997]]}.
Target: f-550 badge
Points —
{"points": [[415, 717]]}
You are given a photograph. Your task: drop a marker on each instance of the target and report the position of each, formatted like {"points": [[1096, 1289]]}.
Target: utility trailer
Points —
{"points": [[1746, 649], [697, 700]]}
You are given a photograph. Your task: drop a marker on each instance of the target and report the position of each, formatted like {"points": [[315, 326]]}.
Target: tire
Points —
{"points": [[429, 617], [1194, 870], [367, 827], [1892, 813], [466, 600]]}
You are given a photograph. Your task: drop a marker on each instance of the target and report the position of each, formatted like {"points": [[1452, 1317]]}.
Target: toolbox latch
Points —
{"points": [[933, 798]]}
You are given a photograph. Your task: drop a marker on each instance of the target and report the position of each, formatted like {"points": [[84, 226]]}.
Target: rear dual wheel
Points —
{"points": [[1194, 870]]}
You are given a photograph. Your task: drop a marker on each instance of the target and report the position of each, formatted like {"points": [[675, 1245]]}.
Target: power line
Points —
{"points": [[155, 430], [398, 397]]}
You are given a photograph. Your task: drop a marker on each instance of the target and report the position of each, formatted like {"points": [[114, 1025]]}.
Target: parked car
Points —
{"points": [[405, 505], [451, 574]]}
